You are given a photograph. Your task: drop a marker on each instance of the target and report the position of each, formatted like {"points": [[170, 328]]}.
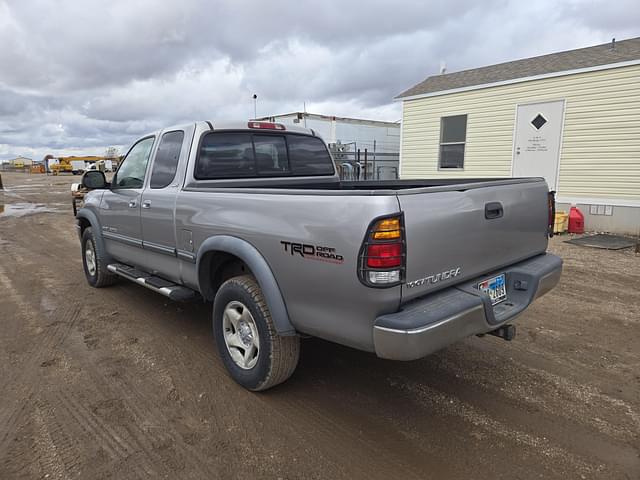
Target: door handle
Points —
{"points": [[493, 210], [146, 204], [133, 204]]}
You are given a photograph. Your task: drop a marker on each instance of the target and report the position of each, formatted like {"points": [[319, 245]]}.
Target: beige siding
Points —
{"points": [[600, 156]]}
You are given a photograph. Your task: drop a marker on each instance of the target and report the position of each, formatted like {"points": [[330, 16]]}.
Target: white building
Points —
{"points": [[364, 145]]}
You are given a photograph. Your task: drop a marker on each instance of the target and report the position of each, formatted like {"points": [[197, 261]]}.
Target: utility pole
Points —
{"points": [[255, 106]]}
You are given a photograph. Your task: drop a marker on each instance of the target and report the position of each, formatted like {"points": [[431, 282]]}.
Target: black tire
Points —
{"points": [[98, 276], [277, 356]]}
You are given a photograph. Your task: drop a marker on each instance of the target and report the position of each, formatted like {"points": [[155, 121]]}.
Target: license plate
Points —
{"points": [[495, 287]]}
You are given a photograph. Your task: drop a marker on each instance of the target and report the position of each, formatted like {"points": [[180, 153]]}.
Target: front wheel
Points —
{"points": [[252, 351], [93, 261]]}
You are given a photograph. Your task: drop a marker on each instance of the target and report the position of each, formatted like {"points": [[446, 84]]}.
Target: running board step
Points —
{"points": [[157, 284]]}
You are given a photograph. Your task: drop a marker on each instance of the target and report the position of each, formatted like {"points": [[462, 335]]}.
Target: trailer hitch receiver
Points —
{"points": [[506, 332]]}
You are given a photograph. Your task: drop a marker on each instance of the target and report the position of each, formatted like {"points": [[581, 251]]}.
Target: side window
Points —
{"points": [[165, 164], [271, 155], [131, 172], [309, 156], [453, 136], [225, 155]]}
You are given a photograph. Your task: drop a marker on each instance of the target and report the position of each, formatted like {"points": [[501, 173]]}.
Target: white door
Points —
{"points": [[537, 138]]}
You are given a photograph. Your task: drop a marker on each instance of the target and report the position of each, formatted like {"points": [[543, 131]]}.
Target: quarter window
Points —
{"points": [[132, 171], [453, 136], [165, 164]]}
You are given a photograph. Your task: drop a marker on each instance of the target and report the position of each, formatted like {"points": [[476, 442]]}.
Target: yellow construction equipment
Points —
{"points": [[63, 165], [70, 164]]}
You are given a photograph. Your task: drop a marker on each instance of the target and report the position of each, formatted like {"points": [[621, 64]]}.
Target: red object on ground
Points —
{"points": [[576, 221]]}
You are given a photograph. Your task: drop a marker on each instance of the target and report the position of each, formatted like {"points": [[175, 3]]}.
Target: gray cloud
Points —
{"points": [[79, 76]]}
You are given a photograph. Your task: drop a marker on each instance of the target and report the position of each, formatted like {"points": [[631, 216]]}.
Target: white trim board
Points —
{"points": [[400, 149], [598, 201], [520, 80]]}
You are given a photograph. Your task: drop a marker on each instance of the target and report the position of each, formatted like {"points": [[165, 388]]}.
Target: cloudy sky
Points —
{"points": [[76, 77]]}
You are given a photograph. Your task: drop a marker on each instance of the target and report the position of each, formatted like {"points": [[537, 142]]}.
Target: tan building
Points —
{"points": [[571, 117], [20, 162]]}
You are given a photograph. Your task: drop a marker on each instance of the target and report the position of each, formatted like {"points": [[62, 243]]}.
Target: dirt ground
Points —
{"points": [[122, 383]]}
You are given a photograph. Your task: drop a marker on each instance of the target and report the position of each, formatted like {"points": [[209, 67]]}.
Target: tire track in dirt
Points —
{"points": [[55, 337], [22, 309], [453, 406], [99, 429], [56, 452], [568, 399], [486, 416], [27, 380], [139, 433], [603, 428]]}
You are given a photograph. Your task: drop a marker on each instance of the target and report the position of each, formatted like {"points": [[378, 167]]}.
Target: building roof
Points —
{"points": [[319, 116], [598, 55]]}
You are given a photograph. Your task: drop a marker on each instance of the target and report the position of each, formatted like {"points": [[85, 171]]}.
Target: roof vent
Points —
{"points": [[443, 68], [613, 43]]}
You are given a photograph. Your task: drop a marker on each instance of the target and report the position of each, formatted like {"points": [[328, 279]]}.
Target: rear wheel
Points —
{"points": [[93, 261], [251, 349]]}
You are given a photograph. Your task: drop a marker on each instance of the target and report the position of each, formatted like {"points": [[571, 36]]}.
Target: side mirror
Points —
{"points": [[94, 179]]}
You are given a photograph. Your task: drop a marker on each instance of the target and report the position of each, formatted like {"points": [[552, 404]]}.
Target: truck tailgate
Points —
{"points": [[464, 231]]}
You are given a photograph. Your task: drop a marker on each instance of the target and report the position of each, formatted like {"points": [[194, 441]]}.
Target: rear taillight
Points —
{"points": [[266, 126], [551, 199], [383, 257]]}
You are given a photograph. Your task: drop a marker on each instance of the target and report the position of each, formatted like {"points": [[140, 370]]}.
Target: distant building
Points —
{"points": [[570, 117], [20, 162], [351, 140]]}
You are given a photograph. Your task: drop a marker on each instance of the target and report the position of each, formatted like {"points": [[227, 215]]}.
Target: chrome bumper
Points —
{"points": [[442, 318]]}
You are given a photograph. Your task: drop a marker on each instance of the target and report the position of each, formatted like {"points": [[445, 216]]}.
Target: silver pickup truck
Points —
{"points": [[254, 218]]}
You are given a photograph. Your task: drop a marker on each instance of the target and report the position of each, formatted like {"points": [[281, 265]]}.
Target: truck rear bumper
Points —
{"points": [[430, 323]]}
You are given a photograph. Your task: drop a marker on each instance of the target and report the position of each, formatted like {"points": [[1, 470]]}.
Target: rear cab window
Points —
{"points": [[252, 155]]}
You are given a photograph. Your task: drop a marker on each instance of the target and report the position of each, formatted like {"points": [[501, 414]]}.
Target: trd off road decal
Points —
{"points": [[312, 252]]}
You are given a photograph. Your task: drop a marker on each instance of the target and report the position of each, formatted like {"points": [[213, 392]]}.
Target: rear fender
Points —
{"points": [[260, 270]]}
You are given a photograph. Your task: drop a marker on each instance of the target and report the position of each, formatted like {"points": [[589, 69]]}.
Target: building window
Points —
{"points": [[453, 135]]}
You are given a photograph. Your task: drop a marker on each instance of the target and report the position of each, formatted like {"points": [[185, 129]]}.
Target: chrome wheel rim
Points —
{"points": [[240, 335], [90, 258]]}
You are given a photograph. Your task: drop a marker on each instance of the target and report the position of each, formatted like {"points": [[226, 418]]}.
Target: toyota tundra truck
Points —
{"points": [[254, 218]]}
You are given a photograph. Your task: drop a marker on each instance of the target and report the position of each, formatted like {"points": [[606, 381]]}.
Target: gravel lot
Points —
{"points": [[122, 383]]}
